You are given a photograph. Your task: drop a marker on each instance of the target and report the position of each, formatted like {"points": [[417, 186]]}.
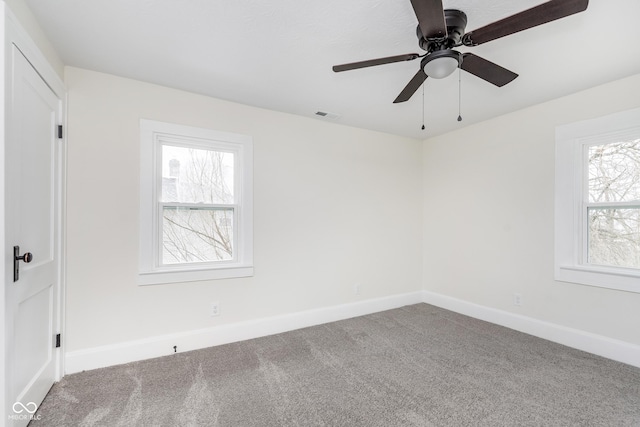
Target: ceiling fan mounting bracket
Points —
{"points": [[456, 21]]}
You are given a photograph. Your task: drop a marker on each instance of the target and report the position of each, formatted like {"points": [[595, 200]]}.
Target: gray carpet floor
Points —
{"points": [[414, 366]]}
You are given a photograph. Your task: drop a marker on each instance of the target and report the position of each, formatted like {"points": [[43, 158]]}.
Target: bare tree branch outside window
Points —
{"points": [[197, 205], [614, 204]]}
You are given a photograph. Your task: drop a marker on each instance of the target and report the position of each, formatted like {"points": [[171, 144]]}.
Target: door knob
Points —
{"points": [[27, 257]]}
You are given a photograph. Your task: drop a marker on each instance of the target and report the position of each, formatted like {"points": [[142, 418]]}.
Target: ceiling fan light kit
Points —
{"points": [[441, 64], [439, 31]]}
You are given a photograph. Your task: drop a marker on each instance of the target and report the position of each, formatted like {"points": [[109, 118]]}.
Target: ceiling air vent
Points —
{"points": [[327, 115]]}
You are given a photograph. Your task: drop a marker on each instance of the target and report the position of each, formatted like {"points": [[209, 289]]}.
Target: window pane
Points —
{"points": [[194, 175], [191, 235], [614, 172], [614, 237]]}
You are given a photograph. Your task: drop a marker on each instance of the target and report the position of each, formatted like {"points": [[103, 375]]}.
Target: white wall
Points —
{"points": [[334, 206], [489, 216]]}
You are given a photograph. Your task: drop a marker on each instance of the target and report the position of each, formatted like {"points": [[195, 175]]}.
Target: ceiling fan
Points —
{"points": [[441, 30]]}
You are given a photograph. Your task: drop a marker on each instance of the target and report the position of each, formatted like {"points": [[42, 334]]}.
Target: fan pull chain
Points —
{"points": [[423, 106], [459, 94]]}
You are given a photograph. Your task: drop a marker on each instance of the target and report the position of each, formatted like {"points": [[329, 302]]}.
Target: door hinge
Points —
{"points": [[59, 131], [57, 340]]}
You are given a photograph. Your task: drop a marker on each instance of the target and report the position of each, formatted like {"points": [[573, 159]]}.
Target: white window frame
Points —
{"points": [[152, 136], [571, 200]]}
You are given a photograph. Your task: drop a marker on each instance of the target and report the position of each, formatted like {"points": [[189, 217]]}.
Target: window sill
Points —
{"points": [[173, 276], [621, 279]]}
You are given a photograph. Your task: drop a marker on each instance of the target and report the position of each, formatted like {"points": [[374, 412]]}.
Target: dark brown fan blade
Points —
{"points": [[487, 70], [546, 12], [372, 62], [411, 87], [430, 16]]}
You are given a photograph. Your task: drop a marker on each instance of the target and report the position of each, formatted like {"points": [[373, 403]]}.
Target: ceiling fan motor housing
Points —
{"points": [[456, 21]]}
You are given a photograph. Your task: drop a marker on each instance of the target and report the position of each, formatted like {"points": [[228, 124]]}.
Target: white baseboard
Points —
{"points": [[109, 355], [610, 348]]}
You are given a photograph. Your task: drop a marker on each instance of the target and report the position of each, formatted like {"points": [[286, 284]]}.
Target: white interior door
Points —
{"points": [[32, 223]]}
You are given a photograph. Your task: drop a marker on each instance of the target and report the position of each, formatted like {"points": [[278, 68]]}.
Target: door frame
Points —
{"points": [[15, 35]]}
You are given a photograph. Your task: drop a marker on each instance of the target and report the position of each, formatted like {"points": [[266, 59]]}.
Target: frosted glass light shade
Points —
{"points": [[441, 64], [440, 68]]}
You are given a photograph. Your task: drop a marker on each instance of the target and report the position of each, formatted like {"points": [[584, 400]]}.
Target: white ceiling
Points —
{"points": [[278, 54]]}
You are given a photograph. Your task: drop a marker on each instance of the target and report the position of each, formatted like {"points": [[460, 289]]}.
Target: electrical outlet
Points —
{"points": [[215, 309], [356, 289], [517, 299]]}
